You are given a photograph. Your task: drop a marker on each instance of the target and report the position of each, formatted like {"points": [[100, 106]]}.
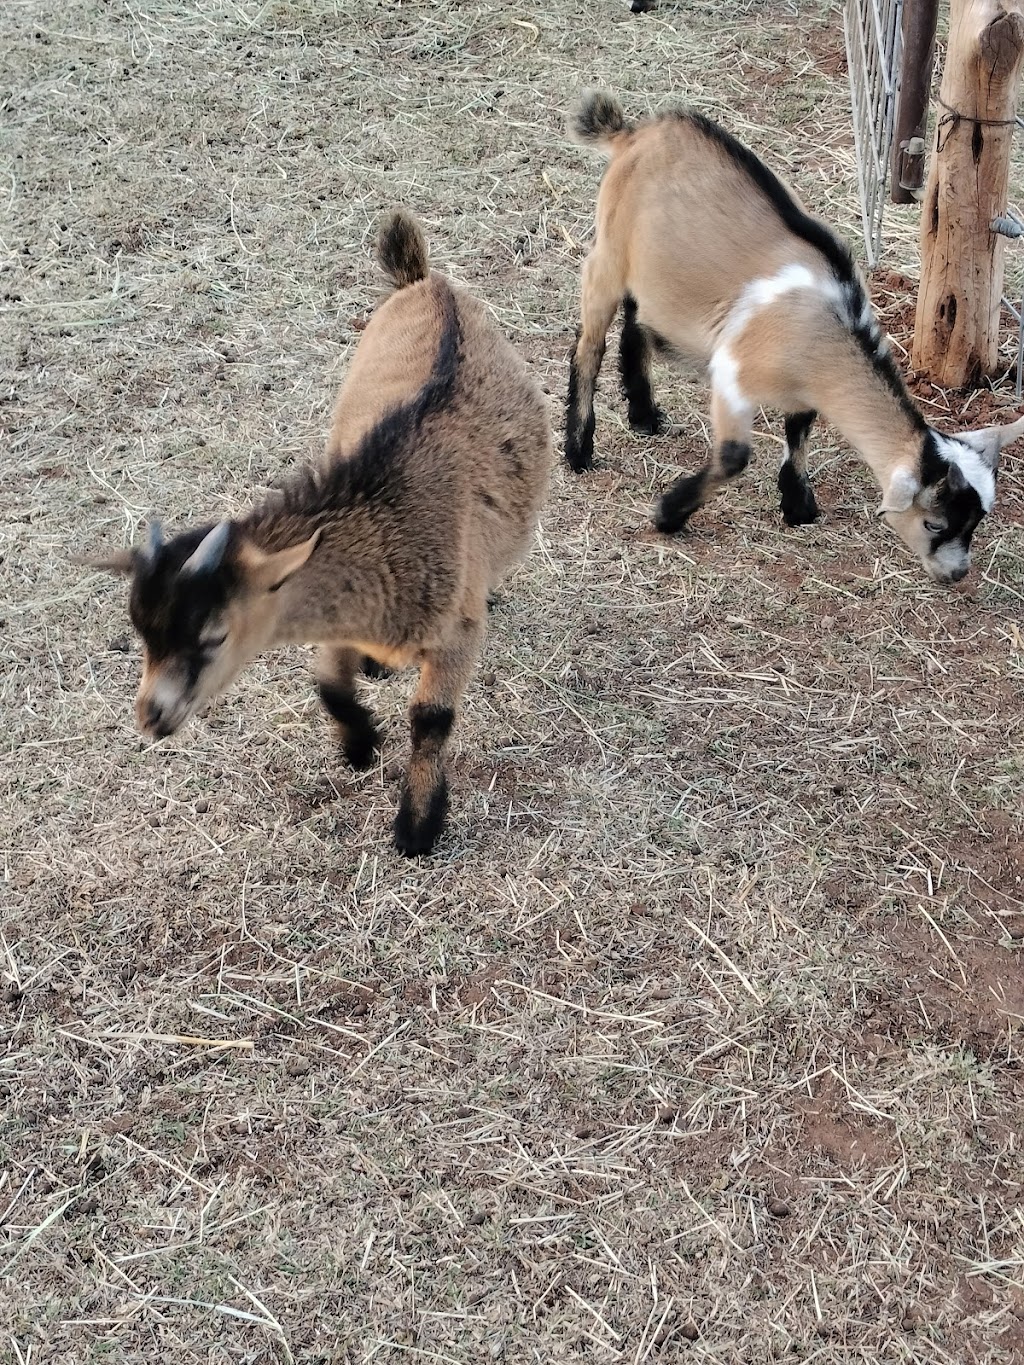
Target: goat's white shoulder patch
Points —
{"points": [[763, 292], [971, 466], [725, 379], [755, 295]]}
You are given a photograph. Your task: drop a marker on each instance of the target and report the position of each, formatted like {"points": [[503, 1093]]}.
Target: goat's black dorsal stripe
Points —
{"points": [[374, 473], [799, 222], [820, 236]]}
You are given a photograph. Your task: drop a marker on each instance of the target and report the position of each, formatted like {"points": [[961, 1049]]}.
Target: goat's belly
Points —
{"points": [[405, 656], [688, 340]]}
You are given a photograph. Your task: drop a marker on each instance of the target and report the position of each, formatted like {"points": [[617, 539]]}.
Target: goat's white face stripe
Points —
{"points": [[167, 693], [971, 466], [758, 294]]}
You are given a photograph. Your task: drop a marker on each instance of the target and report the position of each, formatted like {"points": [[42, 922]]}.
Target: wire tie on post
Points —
{"points": [[952, 117]]}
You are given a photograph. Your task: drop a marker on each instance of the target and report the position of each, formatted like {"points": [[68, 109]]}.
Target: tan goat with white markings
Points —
{"points": [[711, 255]]}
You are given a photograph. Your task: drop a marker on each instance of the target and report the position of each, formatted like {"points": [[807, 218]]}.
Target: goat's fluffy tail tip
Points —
{"points": [[597, 119], [402, 248]]}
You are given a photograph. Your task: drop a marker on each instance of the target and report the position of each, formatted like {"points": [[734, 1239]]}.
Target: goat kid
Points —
{"points": [[384, 554], [711, 255]]}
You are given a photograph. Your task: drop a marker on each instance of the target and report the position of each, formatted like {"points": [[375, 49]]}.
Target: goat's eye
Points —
{"points": [[212, 642], [934, 528]]}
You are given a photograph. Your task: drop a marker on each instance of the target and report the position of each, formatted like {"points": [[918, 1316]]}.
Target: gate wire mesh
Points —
{"points": [[874, 43]]}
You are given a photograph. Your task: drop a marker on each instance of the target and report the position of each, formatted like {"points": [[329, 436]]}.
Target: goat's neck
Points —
{"points": [[344, 592], [874, 421]]}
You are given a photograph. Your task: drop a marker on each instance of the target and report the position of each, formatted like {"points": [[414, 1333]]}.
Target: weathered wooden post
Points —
{"points": [[957, 326]]}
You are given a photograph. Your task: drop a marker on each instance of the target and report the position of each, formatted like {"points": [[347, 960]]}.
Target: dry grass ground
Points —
{"points": [[700, 1037]]}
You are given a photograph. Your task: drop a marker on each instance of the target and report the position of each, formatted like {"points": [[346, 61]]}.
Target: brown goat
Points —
{"points": [[429, 490], [711, 255]]}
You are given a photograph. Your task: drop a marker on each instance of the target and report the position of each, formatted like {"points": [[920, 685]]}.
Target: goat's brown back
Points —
{"points": [[464, 483], [490, 448], [391, 364], [679, 213]]}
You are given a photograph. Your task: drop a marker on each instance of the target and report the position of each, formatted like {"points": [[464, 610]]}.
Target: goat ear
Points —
{"points": [[265, 572], [154, 539], [207, 555], [116, 561], [125, 561], [904, 485], [989, 441]]}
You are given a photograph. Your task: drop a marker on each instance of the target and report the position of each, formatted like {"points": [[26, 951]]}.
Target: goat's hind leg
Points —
{"points": [[798, 504], [370, 668], [731, 417], [601, 292], [337, 668], [635, 372], [444, 677]]}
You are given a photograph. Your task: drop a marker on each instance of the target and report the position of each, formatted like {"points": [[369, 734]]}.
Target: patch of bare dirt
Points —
{"points": [[948, 986], [831, 1128]]}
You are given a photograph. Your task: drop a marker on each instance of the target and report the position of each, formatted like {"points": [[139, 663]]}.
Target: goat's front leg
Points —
{"points": [[731, 418], [601, 292], [337, 668], [798, 504], [444, 677]]}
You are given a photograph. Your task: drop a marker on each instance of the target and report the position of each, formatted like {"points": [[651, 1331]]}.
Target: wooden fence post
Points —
{"points": [[957, 326]]}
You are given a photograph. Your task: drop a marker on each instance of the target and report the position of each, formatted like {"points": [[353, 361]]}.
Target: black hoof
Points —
{"points": [[648, 421], [360, 748], [370, 668], [415, 834], [359, 737], [675, 508], [798, 504], [579, 457]]}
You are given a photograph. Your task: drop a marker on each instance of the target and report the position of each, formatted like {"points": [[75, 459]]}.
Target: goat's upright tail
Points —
{"points": [[598, 120], [402, 249]]}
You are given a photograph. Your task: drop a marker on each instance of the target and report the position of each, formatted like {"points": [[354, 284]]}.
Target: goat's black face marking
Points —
{"points": [[955, 507], [170, 610]]}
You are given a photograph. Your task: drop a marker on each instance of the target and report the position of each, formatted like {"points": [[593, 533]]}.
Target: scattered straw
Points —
{"points": [[657, 1057]]}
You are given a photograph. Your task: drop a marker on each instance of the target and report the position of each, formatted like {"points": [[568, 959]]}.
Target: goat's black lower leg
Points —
{"points": [[635, 372], [675, 507], [357, 732], [579, 411], [602, 290], [678, 503], [798, 502], [731, 415], [423, 805]]}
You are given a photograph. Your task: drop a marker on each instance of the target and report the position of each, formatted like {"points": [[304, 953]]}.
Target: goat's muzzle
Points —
{"points": [[153, 719]]}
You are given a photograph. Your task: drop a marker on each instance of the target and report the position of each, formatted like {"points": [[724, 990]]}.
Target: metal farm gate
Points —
{"points": [[874, 42]]}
